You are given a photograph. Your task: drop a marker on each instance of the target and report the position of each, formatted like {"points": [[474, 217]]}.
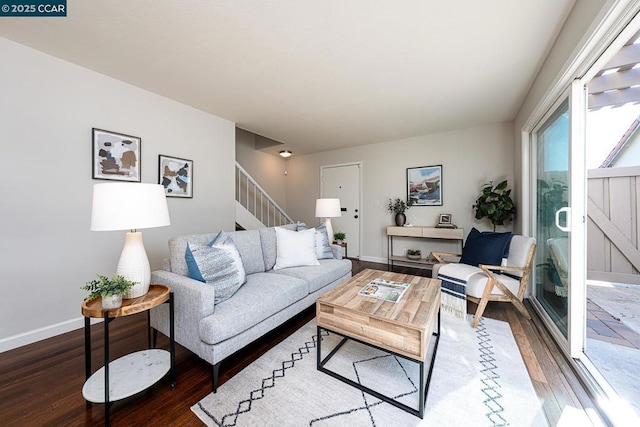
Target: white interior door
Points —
{"points": [[343, 182]]}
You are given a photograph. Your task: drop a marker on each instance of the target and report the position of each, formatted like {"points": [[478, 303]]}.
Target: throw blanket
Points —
{"points": [[453, 290]]}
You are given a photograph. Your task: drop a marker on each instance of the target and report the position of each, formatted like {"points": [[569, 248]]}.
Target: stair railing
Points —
{"points": [[253, 198]]}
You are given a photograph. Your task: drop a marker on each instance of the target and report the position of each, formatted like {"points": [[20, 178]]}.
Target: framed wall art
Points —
{"points": [[176, 176], [424, 185], [445, 219], [116, 156]]}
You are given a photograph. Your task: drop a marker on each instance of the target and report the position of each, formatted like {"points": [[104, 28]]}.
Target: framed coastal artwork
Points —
{"points": [[176, 176], [116, 156], [424, 185]]}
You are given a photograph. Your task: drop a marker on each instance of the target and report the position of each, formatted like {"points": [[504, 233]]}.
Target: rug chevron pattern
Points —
{"points": [[479, 379]]}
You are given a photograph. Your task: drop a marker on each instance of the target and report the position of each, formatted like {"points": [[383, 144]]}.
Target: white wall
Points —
{"points": [[47, 109], [470, 158]]}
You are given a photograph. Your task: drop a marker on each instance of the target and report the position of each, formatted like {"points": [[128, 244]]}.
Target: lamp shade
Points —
{"points": [[328, 208], [128, 206]]}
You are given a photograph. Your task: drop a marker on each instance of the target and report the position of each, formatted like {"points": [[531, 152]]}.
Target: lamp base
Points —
{"points": [[327, 222], [134, 265]]}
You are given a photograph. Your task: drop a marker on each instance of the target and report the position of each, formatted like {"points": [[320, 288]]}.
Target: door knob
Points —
{"points": [[355, 216]]}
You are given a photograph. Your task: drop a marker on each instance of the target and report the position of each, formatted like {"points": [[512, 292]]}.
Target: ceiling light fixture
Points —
{"points": [[286, 153]]}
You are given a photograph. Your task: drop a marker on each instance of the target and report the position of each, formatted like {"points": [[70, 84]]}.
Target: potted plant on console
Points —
{"points": [[399, 207], [414, 254], [339, 237], [111, 290]]}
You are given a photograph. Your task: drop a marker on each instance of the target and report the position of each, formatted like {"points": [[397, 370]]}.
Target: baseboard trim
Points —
{"points": [[36, 335]]}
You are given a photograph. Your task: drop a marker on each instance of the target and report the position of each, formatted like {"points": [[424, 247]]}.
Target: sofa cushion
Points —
{"points": [[248, 307], [269, 246], [248, 243], [295, 248], [318, 276], [219, 265]]}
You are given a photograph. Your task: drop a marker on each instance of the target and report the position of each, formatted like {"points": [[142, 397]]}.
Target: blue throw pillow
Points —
{"points": [[485, 248], [192, 265], [218, 264]]}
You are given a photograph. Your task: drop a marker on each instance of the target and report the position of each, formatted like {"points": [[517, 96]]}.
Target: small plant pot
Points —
{"points": [[414, 257], [112, 302]]}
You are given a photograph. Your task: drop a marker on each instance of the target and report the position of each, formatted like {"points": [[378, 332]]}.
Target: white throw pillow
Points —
{"points": [[295, 248]]}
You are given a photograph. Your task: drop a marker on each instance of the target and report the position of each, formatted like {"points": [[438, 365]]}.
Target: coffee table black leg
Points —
{"points": [[424, 385]]}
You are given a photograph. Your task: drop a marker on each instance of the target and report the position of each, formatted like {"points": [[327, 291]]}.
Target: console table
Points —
{"points": [[456, 234], [135, 372]]}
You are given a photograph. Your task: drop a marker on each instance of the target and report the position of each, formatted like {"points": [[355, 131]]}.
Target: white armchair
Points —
{"points": [[506, 283]]}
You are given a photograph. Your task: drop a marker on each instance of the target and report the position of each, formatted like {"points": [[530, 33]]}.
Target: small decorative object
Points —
{"points": [[414, 254], [116, 156], [495, 203], [398, 207], [430, 258], [339, 236], [424, 184], [444, 221], [111, 290], [176, 176]]}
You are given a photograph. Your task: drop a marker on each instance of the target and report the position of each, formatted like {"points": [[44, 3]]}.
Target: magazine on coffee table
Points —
{"points": [[386, 290]]}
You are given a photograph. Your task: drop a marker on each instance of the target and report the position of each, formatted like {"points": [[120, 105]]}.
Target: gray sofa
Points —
{"points": [[265, 301]]}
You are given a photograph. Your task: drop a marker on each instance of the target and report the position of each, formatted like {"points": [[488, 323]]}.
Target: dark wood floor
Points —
{"points": [[40, 384]]}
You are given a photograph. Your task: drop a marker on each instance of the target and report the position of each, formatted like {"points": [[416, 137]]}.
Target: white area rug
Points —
{"points": [[479, 379]]}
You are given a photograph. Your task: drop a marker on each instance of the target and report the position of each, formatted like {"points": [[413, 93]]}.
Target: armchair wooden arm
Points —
{"points": [[439, 256]]}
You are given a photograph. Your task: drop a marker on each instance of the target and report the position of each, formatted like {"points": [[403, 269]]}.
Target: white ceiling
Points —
{"points": [[315, 75]]}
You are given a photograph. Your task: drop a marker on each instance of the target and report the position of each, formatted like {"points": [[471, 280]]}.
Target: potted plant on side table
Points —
{"points": [[339, 237], [111, 290]]}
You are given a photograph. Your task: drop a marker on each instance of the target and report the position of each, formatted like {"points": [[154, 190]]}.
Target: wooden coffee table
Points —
{"points": [[404, 328]]}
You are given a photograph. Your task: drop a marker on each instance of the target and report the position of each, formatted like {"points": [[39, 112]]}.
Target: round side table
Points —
{"points": [[134, 372]]}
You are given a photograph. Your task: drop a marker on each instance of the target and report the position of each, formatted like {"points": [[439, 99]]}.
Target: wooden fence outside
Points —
{"points": [[613, 226]]}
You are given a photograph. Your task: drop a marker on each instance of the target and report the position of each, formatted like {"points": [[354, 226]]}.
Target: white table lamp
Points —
{"points": [[327, 209], [130, 206]]}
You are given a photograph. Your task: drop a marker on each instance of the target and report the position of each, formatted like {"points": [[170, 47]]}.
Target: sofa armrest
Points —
{"points": [[192, 301], [337, 251]]}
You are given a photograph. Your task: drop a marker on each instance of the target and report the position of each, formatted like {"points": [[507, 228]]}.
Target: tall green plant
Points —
{"points": [[495, 203]]}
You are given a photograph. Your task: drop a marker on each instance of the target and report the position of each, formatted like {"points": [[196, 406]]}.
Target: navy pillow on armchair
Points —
{"points": [[485, 248]]}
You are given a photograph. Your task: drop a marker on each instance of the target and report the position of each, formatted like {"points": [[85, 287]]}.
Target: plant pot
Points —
{"points": [[414, 257], [112, 302], [401, 219]]}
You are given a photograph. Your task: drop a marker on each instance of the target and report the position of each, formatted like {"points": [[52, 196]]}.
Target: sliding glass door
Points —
{"points": [[551, 190]]}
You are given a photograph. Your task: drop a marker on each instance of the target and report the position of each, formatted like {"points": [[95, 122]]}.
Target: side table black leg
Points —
{"points": [[106, 368], [149, 329], [172, 342], [87, 348]]}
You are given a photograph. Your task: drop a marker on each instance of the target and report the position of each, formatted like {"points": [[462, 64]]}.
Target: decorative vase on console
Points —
{"points": [[398, 207]]}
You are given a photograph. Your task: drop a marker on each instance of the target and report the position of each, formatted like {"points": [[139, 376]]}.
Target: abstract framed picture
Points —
{"points": [[176, 176], [116, 156], [424, 185]]}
